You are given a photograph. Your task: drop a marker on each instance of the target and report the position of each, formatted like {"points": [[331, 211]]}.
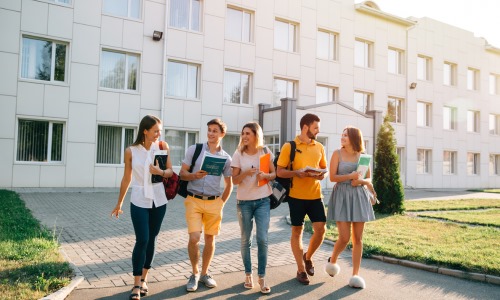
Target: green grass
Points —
{"points": [[497, 191], [30, 264], [489, 217], [465, 204]]}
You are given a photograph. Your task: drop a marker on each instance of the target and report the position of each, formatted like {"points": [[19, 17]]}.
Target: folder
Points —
{"points": [[264, 164]]}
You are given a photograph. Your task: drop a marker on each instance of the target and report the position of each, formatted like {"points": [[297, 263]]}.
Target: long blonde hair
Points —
{"points": [[259, 136]]}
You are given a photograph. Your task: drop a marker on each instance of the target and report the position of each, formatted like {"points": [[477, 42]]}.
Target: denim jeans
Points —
{"points": [[260, 210], [147, 223]]}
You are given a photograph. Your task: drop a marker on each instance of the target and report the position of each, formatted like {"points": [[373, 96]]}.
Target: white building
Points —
{"points": [[78, 76]]}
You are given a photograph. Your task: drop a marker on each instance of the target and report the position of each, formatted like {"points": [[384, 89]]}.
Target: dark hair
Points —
{"points": [[219, 123], [356, 138], [308, 119], [146, 123]]}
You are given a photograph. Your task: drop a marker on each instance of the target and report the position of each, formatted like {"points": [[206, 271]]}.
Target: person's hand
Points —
{"points": [[319, 176], [252, 171], [354, 175], [301, 174], [200, 174], [154, 169], [117, 211], [261, 176], [356, 182]]}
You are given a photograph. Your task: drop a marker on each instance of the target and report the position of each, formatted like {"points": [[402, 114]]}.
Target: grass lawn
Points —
{"points": [[490, 217], [497, 191], [466, 204], [434, 242], [30, 264]]}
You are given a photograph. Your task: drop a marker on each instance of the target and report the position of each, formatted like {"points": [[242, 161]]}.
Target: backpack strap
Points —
{"points": [[293, 148], [195, 156]]}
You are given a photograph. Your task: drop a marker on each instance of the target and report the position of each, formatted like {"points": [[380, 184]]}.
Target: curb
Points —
{"points": [[62, 293], [434, 269]]}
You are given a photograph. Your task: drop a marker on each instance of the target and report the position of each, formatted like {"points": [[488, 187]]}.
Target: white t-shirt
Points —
{"points": [[144, 193], [248, 189]]}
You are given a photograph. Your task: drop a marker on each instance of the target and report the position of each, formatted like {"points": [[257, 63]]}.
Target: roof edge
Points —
{"points": [[361, 7]]}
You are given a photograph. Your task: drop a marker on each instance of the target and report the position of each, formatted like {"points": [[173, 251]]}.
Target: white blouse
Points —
{"points": [[144, 193]]}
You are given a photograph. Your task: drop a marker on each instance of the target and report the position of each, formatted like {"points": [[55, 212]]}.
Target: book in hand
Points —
{"points": [[314, 171], [161, 157], [264, 162], [363, 164], [213, 164]]}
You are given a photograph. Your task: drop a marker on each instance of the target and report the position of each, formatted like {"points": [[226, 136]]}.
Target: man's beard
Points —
{"points": [[311, 135]]}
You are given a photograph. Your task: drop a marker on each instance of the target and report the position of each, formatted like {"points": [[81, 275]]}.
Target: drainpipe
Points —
{"points": [[164, 69]]}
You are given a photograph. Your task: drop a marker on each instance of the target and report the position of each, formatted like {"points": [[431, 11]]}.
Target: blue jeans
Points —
{"points": [[259, 209], [147, 223]]}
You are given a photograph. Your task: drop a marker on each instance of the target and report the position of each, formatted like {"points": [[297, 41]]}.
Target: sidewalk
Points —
{"points": [[100, 247]]}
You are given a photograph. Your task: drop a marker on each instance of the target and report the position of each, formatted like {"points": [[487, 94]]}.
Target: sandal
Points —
{"points": [[135, 296], [264, 288], [248, 281], [144, 291]]}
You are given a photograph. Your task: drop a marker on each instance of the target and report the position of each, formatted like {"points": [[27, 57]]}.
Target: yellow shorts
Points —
{"points": [[204, 214]]}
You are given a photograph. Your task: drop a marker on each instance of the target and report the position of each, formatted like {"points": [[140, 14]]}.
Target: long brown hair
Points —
{"points": [[146, 123], [356, 138], [259, 136]]}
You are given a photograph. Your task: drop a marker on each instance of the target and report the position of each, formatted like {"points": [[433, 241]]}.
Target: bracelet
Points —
{"points": [[163, 173]]}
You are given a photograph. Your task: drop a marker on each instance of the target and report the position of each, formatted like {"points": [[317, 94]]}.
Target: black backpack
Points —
{"points": [[286, 182], [183, 192]]}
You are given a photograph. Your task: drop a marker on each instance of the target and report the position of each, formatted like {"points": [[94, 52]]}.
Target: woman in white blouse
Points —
{"points": [[148, 202]]}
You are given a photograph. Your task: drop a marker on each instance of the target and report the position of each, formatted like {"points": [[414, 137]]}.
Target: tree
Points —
{"points": [[386, 180]]}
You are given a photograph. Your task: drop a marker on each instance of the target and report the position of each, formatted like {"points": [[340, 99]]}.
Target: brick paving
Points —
{"points": [[101, 246]]}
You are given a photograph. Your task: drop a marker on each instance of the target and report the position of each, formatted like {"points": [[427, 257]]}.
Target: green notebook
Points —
{"points": [[364, 164]]}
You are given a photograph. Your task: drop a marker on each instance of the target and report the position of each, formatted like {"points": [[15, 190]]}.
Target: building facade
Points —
{"points": [[78, 76]]}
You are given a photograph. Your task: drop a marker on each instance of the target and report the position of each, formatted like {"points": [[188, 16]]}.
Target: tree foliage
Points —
{"points": [[386, 180]]}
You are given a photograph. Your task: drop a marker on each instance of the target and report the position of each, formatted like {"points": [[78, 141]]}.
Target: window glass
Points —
{"points": [[123, 8], [119, 70], [185, 14], [472, 163], [284, 36], [182, 80], [236, 87], [38, 61], [362, 101], [283, 89], [230, 143], [394, 110], [325, 94], [362, 54], [39, 141], [394, 61], [449, 162], [326, 46]]}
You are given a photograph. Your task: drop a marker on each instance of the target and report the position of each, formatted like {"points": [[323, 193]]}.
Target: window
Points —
{"points": [[185, 14], [230, 143], [238, 25], [236, 87], [362, 101], [424, 113], [178, 142], [283, 89], [395, 110], [363, 54], [327, 45], [472, 79], [449, 74], [40, 141], [494, 124], [112, 142], [449, 118], [43, 60], [367, 144], [424, 68], [395, 61], [400, 151], [494, 164], [424, 160], [285, 36], [472, 121], [273, 143], [494, 84], [123, 8], [449, 162], [119, 70], [473, 163], [325, 94], [182, 80]]}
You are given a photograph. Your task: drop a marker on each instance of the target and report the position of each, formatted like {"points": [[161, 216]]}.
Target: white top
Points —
{"points": [[144, 193], [248, 189]]}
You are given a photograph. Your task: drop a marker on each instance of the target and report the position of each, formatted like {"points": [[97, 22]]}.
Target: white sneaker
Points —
{"points": [[357, 282], [192, 284], [332, 269], [208, 281]]}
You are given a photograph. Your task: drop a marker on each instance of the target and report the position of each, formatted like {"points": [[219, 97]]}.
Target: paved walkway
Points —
{"points": [[100, 247]]}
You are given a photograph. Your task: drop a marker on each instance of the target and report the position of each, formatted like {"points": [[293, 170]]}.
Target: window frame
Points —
{"points": [[399, 107], [126, 76], [129, 8], [332, 93], [369, 101], [427, 162], [493, 84], [368, 59], [453, 114], [49, 160], [333, 44], [295, 44], [184, 147], [190, 17], [399, 61], [288, 81], [452, 76], [475, 168], [427, 73], [198, 80], [241, 73], [123, 147], [400, 153], [495, 125], [250, 25], [427, 116], [472, 79], [476, 125], [452, 161], [494, 164]]}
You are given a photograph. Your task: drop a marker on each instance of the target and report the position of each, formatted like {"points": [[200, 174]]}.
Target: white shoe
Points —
{"points": [[357, 282], [332, 269]]}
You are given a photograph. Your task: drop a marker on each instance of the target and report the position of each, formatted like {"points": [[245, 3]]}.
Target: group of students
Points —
{"points": [[349, 204]]}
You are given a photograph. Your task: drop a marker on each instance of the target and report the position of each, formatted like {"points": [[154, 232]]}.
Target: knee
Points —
{"points": [[209, 239], [357, 241], [297, 232], [142, 241], [320, 230], [343, 239], [194, 239]]}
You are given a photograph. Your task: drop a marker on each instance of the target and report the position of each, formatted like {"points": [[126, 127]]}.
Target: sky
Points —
{"points": [[482, 17]]}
